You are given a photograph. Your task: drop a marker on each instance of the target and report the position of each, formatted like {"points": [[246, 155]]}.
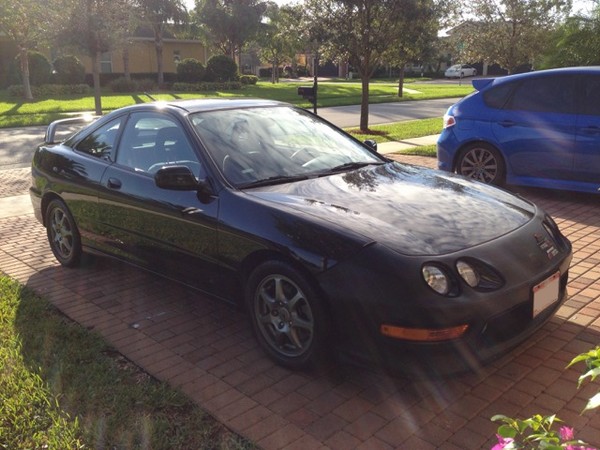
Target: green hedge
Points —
{"points": [[207, 86], [47, 90]]}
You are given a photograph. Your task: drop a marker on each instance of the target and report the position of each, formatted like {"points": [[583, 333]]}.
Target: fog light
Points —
{"points": [[423, 334]]}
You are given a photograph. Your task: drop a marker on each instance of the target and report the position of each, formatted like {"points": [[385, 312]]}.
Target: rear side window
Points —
{"points": [[554, 94], [497, 96], [101, 142], [592, 96]]}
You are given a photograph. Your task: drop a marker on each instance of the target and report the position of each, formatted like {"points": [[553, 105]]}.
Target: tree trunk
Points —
{"points": [[96, 76], [401, 82], [158, 43], [126, 69], [24, 59], [364, 104]]}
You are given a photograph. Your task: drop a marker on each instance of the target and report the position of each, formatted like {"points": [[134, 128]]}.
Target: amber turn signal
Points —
{"points": [[423, 334]]}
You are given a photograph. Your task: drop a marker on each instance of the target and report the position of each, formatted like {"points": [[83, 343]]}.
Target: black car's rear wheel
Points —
{"points": [[287, 315], [63, 234], [482, 162]]}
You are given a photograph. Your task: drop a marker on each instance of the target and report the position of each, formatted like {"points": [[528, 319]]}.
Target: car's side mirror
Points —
{"points": [[179, 178], [371, 143]]}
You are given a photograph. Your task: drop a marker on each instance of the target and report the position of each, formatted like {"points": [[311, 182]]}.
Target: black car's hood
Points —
{"points": [[413, 210]]}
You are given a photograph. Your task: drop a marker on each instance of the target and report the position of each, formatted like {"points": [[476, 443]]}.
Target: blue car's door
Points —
{"points": [[536, 129], [587, 153]]}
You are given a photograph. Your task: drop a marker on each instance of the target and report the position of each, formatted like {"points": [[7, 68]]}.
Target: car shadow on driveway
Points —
{"points": [[206, 348]]}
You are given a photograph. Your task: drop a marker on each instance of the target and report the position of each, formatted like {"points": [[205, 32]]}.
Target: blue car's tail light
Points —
{"points": [[449, 121]]}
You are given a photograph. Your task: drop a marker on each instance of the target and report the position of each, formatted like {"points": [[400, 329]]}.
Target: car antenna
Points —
{"points": [[149, 96]]}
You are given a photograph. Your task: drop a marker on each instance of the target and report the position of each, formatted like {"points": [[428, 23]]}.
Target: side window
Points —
{"points": [[592, 96], [555, 94], [101, 143], [151, 141], [498, 96]]}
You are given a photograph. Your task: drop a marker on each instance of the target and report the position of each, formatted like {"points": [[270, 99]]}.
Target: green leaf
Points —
{"points": [[593, 402], [507, 431]]}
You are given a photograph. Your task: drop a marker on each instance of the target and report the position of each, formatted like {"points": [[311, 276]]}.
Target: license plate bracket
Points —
{"points": [[546, 293]]}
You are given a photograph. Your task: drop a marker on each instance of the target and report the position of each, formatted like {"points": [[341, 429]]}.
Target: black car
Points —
{"points": [[328, 244]]}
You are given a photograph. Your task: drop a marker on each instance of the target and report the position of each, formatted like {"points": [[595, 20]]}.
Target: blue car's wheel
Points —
{"points": [[482, 162]]}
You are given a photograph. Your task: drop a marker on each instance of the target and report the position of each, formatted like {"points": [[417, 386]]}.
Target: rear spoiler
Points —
{"points": [[480, 83], [49, 138]]}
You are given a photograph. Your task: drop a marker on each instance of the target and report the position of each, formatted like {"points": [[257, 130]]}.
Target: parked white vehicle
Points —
{"points": [[460, 71]]}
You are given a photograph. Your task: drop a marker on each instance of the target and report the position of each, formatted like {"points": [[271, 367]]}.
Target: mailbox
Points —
{"points": [[307, 92]]}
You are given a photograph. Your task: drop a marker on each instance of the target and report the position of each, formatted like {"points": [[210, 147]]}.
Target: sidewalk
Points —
{"points": [[206, 349]]}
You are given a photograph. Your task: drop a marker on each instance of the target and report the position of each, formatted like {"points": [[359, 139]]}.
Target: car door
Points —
{"points": [[587, 151], [171, 232], [80, 173], [536, 128]]}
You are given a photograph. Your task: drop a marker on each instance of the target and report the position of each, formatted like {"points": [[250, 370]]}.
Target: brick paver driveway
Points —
{"points": [[206, 349]]}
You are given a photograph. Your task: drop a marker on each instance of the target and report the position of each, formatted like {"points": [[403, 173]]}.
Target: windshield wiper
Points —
{"points": [[278, 179], [352, 166]]}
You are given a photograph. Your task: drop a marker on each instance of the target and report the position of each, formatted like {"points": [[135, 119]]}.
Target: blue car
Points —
{"points": [[539, 129]]}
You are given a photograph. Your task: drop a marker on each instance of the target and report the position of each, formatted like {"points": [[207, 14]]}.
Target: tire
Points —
{"points": [[287, 315], [481, 162], [63, 235]]}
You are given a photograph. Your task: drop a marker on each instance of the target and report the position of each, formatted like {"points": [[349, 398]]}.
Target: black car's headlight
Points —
{"points": [[472, 272]]}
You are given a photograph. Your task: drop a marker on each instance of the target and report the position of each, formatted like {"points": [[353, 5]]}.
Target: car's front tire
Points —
{"points": [[63, 235], [287, 315], [482, 162]]}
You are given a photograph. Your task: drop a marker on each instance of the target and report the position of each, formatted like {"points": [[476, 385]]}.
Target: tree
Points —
{"points": [[30, 23], [230, 24], [576, 42], [159, 14], [417, 36], [96, 26], [360, 32], [508, 32]]}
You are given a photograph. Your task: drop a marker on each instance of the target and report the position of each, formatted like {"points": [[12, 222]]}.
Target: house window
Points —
{"points": [[176, 56], [105, 63]]}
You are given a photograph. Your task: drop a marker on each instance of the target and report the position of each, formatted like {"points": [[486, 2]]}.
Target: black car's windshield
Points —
{"points": [[255, 145]]}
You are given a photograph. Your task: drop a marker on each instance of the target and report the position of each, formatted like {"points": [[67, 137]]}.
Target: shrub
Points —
{"points": [[49, 90], [248, 79], [190, 70], [122, 84], [40, 70], [221, 68], [146, 84], [68, 70], [207, 86]]}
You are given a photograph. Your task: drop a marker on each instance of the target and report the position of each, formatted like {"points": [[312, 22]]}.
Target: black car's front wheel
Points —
{"points": [[482, 162], [63, 234], [287, 315]]}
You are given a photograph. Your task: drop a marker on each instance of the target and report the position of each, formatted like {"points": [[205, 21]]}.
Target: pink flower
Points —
{"points": [[502, 442], [566, 434]]}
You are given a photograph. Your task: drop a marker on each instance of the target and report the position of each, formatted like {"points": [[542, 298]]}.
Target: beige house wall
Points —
{"points": [[142, 55]]}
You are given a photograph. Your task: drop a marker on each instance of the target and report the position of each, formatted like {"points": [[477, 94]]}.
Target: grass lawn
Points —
{"points": [[16, 113], [63, 387]]}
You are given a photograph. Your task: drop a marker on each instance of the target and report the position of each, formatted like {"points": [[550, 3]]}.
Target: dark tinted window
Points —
{"points": [[592, 96], [102, 141], [498, 96], [545, 94]]}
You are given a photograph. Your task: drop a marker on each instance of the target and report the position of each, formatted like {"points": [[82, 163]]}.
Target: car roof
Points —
{"points": [[481, 83], [208, 104]]}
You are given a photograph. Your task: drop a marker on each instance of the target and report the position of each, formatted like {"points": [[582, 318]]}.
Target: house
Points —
{"points": [[142, 55]]}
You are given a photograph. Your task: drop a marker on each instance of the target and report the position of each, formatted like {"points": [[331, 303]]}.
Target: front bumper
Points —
{"points": [[381, 287]]}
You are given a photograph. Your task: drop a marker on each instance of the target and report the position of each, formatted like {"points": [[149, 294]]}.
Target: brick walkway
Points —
{"points": [[207, 350]]}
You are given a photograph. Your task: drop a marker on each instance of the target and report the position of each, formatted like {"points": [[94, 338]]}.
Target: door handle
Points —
{"points": [[506, 123], [592, 129], [114, 183]]}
